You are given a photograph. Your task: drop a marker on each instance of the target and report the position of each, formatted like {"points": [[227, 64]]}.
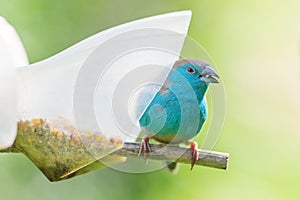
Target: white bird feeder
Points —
{"points": [[91, 86]]}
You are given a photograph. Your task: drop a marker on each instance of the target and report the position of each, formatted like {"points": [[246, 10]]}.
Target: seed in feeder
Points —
{"points": [[60, 136], [100, 139], [74, 137], [54, 132], [116, 141], [88, 135], [37, 121]]}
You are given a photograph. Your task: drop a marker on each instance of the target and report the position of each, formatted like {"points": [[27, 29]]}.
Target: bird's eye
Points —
{"points": [[190, 70]]}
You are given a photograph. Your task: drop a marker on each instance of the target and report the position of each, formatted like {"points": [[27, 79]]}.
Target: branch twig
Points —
{"points": [[182, 155]]}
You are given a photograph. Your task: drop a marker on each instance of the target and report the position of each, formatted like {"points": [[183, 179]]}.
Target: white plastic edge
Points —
{"points": [[12, 55], [178, 21]]}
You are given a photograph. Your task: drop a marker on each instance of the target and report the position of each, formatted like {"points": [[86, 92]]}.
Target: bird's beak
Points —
{"points": [[208, 75]]}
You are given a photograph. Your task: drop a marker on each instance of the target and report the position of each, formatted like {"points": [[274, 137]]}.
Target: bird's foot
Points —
{"points": [[194, 153], [145, 147]]}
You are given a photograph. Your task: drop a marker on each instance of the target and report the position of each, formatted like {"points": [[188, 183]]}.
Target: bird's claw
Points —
{"points": [[194, 154], [145, 147]]}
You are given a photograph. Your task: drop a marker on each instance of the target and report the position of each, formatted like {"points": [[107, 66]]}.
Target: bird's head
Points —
{"points": [[196, 71]]}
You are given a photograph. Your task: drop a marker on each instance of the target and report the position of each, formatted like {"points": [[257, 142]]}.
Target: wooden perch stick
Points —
{"points": [[65, 153], [171, 153]]}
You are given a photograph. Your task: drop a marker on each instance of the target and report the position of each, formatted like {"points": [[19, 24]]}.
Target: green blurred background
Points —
{"points": [[255, 46]]}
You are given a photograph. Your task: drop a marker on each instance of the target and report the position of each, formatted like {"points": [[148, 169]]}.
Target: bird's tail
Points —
{"points": [[171, 167]]}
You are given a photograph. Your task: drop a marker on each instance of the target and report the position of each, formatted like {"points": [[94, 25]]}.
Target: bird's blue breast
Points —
{"points": [[176, 114]]}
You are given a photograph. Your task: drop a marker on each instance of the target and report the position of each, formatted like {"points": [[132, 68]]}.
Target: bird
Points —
{"points": [[178, 110]]}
